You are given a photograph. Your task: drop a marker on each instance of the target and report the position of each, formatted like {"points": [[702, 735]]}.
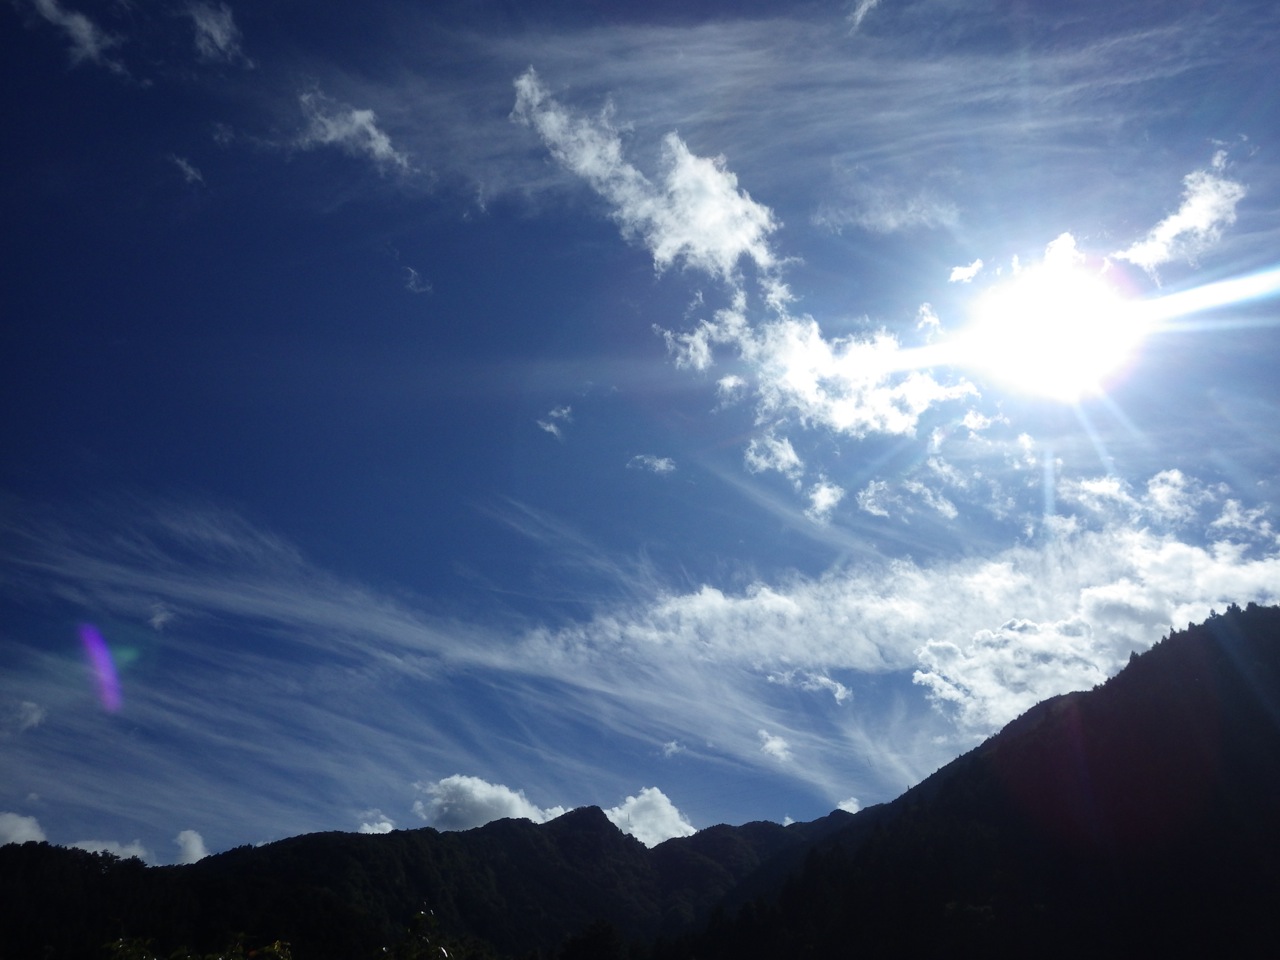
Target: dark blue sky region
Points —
{"points": [[712, 412]]}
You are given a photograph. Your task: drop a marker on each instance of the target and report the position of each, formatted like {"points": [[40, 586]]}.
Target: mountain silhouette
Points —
{"points": [[1139, 818]]}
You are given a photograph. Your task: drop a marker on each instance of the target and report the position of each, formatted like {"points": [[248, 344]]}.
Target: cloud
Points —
{"points": [[15, 828], [671, 748], [695, 214], [774, 746], [553, 420], [650, 817], [824, 497], [965, 274], [19, 716], [217, 37], [1208, 206], [88, 40], [804, 680], [191, 846], [849, 805], [886, 208], [646, 461], [189, 171], [460, 802], [354, 131], [859, 13], [375, 821], [773, 453], [1003, 672], [414, 282], [122, 850]]}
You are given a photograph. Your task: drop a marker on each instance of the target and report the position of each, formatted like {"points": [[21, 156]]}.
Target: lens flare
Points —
{"points": [[104, 668]]}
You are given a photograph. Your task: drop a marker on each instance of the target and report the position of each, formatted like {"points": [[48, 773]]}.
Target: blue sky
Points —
{"points": [[711, 412]]}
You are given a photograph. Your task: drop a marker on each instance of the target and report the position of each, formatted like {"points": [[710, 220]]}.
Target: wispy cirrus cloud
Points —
{"points": [[217, 38], [647, 461], [352, 130], [89, 42]]}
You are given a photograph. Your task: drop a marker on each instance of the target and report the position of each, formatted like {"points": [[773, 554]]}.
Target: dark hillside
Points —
{"points": [[1139, 818]]}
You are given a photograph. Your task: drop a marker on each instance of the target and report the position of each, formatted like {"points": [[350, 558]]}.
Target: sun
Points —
{"points": [[1058, 329]]}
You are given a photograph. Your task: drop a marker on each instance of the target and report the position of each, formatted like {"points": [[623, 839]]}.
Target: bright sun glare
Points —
{"points": [[1056, 329]]}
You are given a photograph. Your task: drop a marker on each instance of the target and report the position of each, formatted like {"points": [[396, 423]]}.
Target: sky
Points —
{"points": [[417, 414]]}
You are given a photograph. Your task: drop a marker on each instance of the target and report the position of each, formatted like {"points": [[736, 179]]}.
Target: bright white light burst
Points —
{"points": [[1056, 329]]}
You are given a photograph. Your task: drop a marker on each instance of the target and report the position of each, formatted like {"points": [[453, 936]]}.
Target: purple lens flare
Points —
{"points": [[104, 668]]}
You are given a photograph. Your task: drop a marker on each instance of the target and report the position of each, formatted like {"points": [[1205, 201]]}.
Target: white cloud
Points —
{"points": [[805, 680], [874, 498], [375, 821], [650, 817], [15, 828], [671, 748], [414, 281], [191, 846], [122, 850], [773, 453], [1208, 206], [882, 208], [824, 497], [849, 805], [553, 420], [19, 716], [774, 746], [352, 130], [647, 461], [216, 35], [965, 274], [1003, 672], [88, 40], [189, 172], [460, 802], [695, 214], [859, 13]]}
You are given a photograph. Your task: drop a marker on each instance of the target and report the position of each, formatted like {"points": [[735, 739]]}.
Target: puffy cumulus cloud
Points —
{"points": [[123, 850], [1002, 672], [650, 817], [352, 130], [191, 846], [696, 214], [824, 497], [853, 385], [1209, 201], [773, 745], [773, 453], [460, 802], [217, 37], [89, 42], [647, 461], [375, 821], [849, 805], [15, 828], [965, 274]]}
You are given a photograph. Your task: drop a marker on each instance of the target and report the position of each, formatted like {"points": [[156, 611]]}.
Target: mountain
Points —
{"points": [[1137, 818]]}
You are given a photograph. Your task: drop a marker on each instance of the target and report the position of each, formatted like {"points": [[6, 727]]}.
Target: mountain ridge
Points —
{"points": [[1078, 826]]}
